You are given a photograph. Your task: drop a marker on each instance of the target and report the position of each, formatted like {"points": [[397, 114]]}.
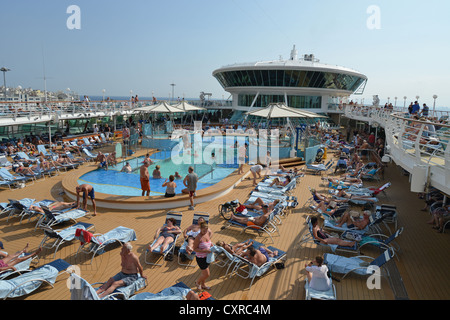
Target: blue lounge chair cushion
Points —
{"points": [[13, 288], [121, 234]]}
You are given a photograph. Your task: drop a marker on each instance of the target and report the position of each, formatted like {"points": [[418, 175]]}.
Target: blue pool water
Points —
{"points": [[114, 182]]}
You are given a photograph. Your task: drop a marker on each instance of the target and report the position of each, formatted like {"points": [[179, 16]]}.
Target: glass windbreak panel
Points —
{"points": [[273, 78], [252, 78], [265, 77], [259, 78]]}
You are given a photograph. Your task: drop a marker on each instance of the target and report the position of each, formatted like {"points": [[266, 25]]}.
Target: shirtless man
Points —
{"points": [[254, 221], [103, 161], [131, 268], [88, 191], [145, 178], [259, 256]]}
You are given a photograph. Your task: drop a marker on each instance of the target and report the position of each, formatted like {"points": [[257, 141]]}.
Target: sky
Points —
{"points": [[144, 46]]}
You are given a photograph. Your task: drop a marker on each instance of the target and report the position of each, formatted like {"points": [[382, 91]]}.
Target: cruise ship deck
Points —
{"points": [[419, 271]]}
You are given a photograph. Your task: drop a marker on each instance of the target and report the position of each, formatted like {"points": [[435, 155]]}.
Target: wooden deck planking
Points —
{"points": [[423, 260]]}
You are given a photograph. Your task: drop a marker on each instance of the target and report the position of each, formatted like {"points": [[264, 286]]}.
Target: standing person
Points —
{"points": [[145, 178], [131, 268], [88, 191], [202, 247], [242, 151], [316, 272], [190, 182], [256, 172], [425, 110]]}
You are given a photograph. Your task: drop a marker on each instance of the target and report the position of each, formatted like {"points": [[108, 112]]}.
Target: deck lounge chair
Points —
{"points": [[182, 251], [12, 178], [17, 207], [359, 265], [379, 240], [80, 289], [373, 174], [23, 155], [89, 155], [53, 239], [247, 270], [178, 291], [268, 227], [312, 294], [41, 148], [20, 268], [375, 219], [309, 238], [4, 161], [49, 218], [98, 242], [29, 282], [319, 168], [23, 207], [171, 247], [276, 189]]}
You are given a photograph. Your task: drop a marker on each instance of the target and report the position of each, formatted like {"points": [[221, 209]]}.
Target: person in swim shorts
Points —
{"points": [[145, 178], [131, 268], [88, 191]]}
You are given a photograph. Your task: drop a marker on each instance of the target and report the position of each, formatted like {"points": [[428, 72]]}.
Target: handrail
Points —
{"points": [[413, 141]]}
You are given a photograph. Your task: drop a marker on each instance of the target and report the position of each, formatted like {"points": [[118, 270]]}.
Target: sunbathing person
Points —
{"points": [[438, 217], [277, 182], [254, 221], [344, 183], [259, 256], [342, 194], [329, 209], [237, 249], [131, 268], [165, 235], [259, 203], [55, 206], [325, 238], [191, 232], [353, 219], [7, 262]]}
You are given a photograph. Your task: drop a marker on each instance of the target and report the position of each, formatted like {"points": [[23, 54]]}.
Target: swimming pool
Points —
{"points": [[114, 182]]}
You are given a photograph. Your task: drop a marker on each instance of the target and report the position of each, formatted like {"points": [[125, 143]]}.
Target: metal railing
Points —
{"points": [[412, 141]]}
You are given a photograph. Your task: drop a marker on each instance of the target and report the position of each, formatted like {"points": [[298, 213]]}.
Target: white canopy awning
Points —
{"points": [[280, 110], [163, 107], [189, 107]]}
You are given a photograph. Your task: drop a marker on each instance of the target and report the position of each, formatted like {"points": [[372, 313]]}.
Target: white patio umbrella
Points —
{"points": [[189, 107], [163, 107], [280, 110]]}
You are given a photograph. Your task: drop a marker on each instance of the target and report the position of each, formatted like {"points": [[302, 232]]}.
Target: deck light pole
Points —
{"points": [[173, 87], [4, 70], [434, 104]]}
